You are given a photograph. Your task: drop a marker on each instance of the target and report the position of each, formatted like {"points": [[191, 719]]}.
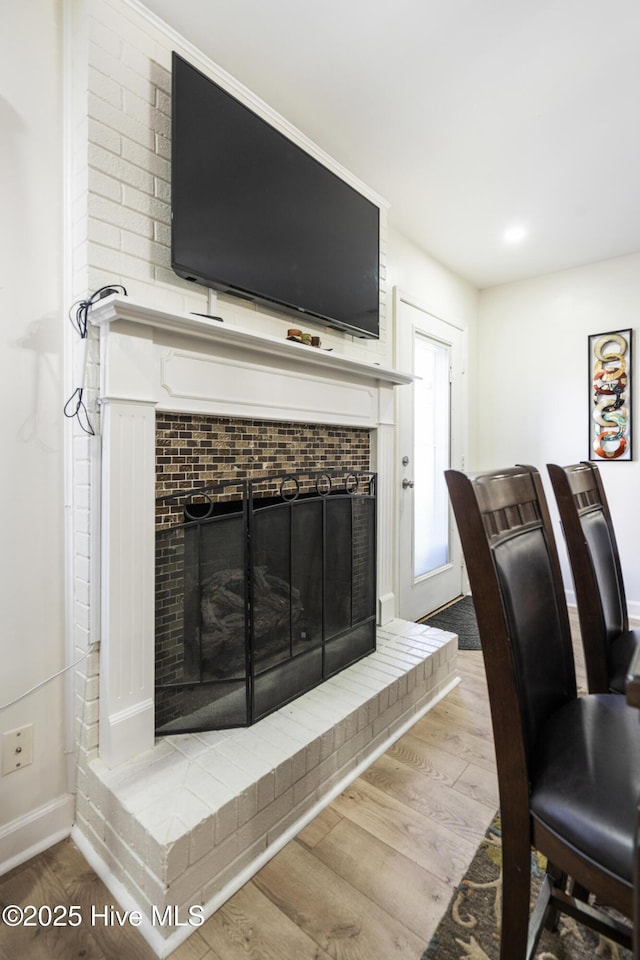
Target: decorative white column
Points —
{"points": [[385, 466], [128, 560], [128, 543]]}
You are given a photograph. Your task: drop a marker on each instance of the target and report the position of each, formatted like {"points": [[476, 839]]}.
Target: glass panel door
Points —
{"points": [[432, 419]]}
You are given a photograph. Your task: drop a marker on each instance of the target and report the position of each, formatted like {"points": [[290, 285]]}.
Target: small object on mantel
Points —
{"points": [[299, 337]]}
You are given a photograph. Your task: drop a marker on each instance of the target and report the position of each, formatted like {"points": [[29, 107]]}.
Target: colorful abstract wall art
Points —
{"points": [[610, 375]]}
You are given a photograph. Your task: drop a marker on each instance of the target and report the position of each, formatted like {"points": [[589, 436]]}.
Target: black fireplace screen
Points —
{"points": [[264, 589]]}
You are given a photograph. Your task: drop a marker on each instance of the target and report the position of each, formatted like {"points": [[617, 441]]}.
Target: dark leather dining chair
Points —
{"points": [[568, 767], [608, 643]]}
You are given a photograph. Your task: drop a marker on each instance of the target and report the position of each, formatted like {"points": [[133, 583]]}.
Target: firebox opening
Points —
{"points": [[261, 596]]}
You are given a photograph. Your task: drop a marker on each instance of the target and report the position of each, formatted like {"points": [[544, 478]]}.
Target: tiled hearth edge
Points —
{"points": [[191, 821]]}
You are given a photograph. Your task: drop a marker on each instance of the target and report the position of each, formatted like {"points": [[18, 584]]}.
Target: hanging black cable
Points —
{"points": [[79, 318]]}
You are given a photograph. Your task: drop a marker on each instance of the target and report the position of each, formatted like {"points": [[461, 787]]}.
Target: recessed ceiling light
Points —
{"points": [[515, 234]]}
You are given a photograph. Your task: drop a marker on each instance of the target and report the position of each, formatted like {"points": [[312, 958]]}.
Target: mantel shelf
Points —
{"points": [[117, 307]]}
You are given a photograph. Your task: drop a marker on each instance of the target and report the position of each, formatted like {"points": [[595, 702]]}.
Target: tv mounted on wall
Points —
{"points": [[256, 216]]}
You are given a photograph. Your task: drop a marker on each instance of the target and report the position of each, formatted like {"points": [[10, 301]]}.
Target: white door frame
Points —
{"points": [[425, 591]]}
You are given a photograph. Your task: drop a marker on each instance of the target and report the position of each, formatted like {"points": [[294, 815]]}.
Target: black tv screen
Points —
{"points": [[256, 216]]}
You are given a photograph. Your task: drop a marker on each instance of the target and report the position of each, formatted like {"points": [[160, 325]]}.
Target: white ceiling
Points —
{"points": [[468, 116]]}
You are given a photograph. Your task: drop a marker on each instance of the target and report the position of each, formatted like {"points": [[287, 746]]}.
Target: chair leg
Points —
{"points": [[559, 880], [579, 892], [516, 885], [636, 890]]}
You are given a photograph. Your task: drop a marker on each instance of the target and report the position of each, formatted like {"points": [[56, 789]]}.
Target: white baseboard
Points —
{"points": [[36, 831], [633, 606], [633, 609], [386, 608]]}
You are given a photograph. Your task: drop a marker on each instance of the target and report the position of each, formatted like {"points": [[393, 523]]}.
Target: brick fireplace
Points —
{"points": [[187, 819], [265, 582], [233, 461], [154, 363]]}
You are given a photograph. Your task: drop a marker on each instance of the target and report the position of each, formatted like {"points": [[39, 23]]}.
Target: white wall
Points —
{"points": [[533, 399], [440, 292], [34, 804], [435, 287]]}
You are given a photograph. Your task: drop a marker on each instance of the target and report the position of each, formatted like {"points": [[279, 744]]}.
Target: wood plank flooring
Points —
{"points": [[367, 879]]}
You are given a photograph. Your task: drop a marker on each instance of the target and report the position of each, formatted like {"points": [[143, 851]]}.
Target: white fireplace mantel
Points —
{"points": [[194, 325], [152, 359]]}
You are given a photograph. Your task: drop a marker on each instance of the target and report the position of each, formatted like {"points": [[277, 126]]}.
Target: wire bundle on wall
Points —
{"points": [[79, 317], [42, 683]]}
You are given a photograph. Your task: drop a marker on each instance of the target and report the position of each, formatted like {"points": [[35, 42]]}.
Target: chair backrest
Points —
{"points": [[516, 582], [595, 563]]}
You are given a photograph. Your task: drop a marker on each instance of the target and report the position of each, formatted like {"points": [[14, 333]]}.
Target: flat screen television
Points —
{"points": [[255, 215]]}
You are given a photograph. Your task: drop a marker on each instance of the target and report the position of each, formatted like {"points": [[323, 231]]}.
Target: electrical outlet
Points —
{"points": [[17, 749]]}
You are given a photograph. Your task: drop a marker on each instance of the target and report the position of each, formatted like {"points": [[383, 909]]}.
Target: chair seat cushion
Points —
{"points": [[619, 655], [586, 779]]}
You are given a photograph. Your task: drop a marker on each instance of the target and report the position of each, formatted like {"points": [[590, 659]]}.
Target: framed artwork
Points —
{"points": [[610, 376]]}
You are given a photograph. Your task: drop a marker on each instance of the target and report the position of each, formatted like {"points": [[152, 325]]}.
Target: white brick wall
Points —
{"points": [[127, 171], [121, 213], [121, 123]]}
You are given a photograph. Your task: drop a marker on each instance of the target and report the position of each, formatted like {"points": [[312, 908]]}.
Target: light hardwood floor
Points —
{"points": [[367, 879]]}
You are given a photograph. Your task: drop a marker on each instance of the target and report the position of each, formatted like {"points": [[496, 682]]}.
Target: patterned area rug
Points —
{"points": [[470, 929], [460, 618]]}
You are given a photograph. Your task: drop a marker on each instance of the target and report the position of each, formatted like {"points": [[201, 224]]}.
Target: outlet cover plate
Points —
{"points": [[17, 749]]}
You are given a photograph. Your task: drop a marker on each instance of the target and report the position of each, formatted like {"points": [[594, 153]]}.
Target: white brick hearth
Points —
{"points": [[191, 820]]}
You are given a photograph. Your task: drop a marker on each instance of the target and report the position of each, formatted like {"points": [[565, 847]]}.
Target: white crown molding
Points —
{"points": [[254, 102]]}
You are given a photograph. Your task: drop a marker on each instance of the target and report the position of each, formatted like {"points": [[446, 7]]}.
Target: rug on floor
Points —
{"points": [[470, 929], [459, 617]]}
